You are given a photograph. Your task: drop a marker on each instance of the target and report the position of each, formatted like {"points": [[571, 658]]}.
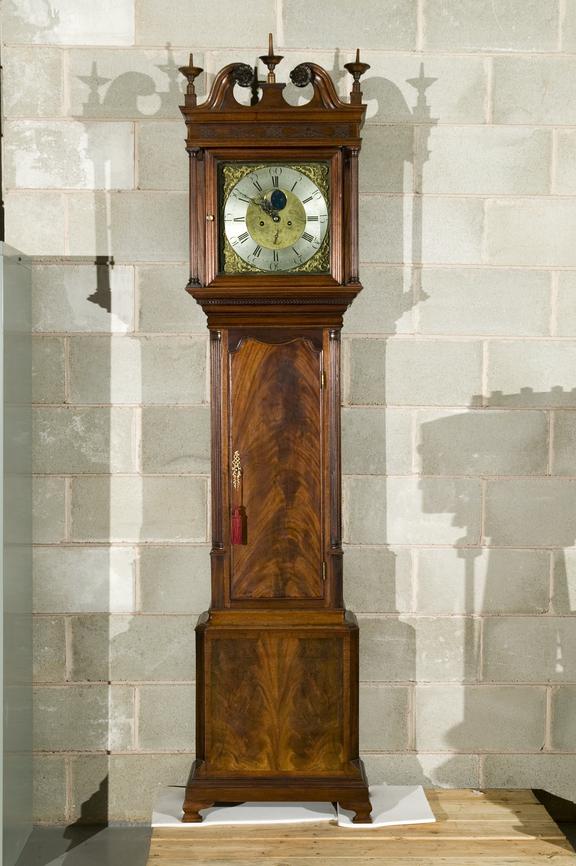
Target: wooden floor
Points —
{"points": [[474, 828]]}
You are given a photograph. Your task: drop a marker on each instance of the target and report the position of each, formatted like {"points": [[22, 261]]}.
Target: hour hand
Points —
{"points": [[265, 205], [268, 208]]}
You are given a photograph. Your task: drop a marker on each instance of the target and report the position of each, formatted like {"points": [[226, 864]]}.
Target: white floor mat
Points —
{"points": [[391, 804], [168, 812]]}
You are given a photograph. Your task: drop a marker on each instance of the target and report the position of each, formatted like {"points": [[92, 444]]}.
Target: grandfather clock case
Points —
{"points": [[274, 265]]}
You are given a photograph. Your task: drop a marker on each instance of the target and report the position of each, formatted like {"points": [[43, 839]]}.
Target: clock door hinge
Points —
{"points": [[324, 571], [323, 379]]}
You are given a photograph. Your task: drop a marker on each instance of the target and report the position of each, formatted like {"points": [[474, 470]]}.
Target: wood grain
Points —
{"points": [[276, 427], [277, 706], [515, 831], [454, 857], [274, 705]]}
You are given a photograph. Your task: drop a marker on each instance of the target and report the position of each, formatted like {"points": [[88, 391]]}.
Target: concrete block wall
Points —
{"points": [[459, 372]]}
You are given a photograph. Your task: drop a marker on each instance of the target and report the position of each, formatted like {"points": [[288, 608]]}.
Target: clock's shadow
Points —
{"points": [[507, 587], [378, 575], [97, 310]]}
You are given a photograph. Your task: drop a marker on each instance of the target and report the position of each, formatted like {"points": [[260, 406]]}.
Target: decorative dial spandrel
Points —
{"points": [[275, 218]]}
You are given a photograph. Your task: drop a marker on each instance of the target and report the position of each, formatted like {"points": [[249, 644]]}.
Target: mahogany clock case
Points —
{"points": [[277, 654]]}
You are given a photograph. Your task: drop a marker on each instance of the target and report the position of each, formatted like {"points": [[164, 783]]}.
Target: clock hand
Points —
{"points": [[265, 205], [262, 203]]}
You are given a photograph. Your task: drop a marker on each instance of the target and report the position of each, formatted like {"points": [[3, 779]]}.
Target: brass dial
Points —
{"points": [[275, 218]]}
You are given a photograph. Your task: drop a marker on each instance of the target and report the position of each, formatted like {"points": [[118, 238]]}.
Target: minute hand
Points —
{"points": [[265, 205], [268, 209]]}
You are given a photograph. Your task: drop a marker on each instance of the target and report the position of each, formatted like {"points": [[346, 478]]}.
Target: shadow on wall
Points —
{"points": [[509, 579], [388, 648], [100, 645], [133, 94], [96, 806], [130, 94]]}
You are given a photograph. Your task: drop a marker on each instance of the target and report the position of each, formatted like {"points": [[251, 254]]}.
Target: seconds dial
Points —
{"points": [[275, 218]]}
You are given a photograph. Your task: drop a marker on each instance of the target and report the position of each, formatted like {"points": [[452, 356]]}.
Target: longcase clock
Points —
{"points": [[274, 264]]}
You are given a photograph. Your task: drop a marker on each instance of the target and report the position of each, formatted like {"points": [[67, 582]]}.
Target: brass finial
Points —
{"points": [[190, 72], [271, 60], [356, 70]]}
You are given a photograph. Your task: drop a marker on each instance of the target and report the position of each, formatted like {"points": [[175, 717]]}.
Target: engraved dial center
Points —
{"points": [[279, 233]]}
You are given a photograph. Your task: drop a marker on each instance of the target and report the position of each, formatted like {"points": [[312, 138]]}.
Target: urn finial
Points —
{"points": [[190, 72], [271, 60], [356, 70]]}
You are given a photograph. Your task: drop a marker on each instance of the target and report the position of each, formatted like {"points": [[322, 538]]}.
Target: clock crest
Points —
{"points": [[274, 264]]}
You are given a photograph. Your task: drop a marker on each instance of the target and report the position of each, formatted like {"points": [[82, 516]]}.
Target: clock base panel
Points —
{"points": [[277, 712], [351, 793]]}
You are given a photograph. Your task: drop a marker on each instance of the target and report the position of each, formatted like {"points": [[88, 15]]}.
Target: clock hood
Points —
{"points": [[270, 119]]}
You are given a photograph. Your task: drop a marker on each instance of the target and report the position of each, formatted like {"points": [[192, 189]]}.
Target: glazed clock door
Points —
{"points": [[276, 430]]}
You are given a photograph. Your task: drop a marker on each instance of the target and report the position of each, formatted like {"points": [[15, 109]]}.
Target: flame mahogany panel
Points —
{"points": [[275, 704], [276, 426]]}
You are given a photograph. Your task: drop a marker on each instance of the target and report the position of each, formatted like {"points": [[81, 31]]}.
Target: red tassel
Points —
{"points": [[236, 533]]}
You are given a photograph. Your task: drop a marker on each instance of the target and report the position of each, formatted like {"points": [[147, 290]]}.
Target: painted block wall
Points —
{"points": [[459, 370]]}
